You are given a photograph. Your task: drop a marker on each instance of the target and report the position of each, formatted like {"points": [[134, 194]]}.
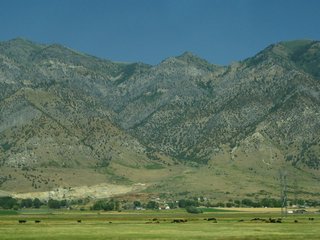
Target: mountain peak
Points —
{"points": [[188, 56], [192, 59], [304, 54], [296, 44], [22, 42], [289, 48], [19, 48]]}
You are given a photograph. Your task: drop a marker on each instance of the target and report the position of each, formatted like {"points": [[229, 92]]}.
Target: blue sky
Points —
{"points": [[221, 31]]}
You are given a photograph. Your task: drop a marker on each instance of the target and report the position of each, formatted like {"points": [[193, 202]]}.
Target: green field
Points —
{"points": [[156, 225]]}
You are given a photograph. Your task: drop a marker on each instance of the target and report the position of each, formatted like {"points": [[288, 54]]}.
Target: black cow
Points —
{"points": [[179, 221], [214, 220], [22, 221], [272, 220]]}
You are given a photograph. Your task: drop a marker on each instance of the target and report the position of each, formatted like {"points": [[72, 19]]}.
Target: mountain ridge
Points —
{"points": [[68, 111]]}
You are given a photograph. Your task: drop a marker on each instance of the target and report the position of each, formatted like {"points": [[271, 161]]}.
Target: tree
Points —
{"points": [[97, 205], [192, 209], [53, 203], [117, 205], [247, 202], [220, 204], [63, 203], [237, 202], [26, 203], [152, 205], [109, 206], [104, 205], [301, 202], [137, 204], [7, 202], [183, 203], [229, 204], [270, 202], [37, 203], [172, 205]]}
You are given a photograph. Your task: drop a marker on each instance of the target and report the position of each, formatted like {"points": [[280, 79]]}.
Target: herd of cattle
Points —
{"points": [[214, 220]]}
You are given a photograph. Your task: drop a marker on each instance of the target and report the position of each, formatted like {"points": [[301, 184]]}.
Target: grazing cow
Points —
{"points": [[272, 220], [296, 221], [156, 222], [22, 221], [179, 221], [311, 218], [79, 221], [214, 220], [37, 221]]}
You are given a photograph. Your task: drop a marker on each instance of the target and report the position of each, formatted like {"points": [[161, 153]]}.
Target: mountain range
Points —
{"points": [[181, 127]]}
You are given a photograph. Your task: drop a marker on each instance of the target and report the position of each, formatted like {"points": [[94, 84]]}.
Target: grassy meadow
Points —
{"points": [[235, 224]]}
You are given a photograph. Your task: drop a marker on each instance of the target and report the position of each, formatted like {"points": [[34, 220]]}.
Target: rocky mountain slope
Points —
{"points": [[68, 119]]}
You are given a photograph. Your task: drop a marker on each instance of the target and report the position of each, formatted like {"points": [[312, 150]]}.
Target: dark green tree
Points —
{"points": [[7, 202], [26, 203], [183, 203], [52, 203], [152, 205], [104, 205], [193, 209], [137, 204], [37, 203]]}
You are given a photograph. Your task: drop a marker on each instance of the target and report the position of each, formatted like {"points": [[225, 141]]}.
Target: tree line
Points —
{"points": [[116, 205], [12, 203]]}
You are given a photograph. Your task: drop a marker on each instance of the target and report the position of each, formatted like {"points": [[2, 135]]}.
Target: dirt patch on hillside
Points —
{"points": [[96, 191]]}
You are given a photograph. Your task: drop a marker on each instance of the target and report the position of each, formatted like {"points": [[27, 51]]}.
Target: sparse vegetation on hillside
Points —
{"points": [[184, 125]]}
